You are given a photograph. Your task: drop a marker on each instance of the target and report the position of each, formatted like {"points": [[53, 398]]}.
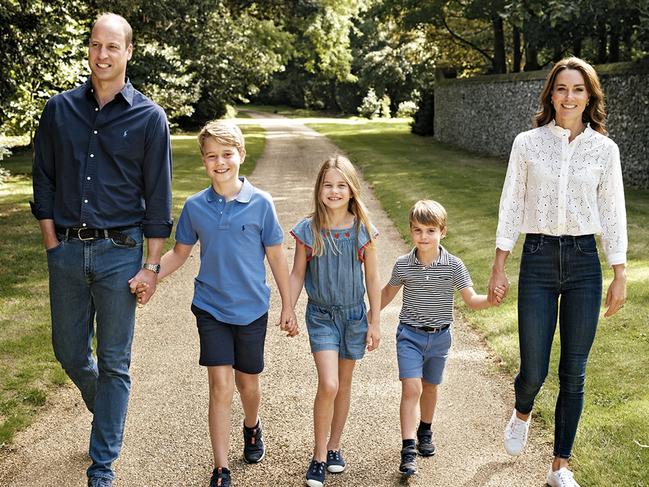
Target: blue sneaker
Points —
{"points": [[408, 466], [100, 482], [253, 444], [425, 445], [220, 477], [335, 461], [315, 475]]}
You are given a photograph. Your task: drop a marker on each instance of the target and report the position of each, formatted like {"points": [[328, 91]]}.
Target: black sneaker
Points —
{"points": [[253, 444], [99, 482], [220, 477], [315, 475], [335, 461], [408, 465], [425, 445]]}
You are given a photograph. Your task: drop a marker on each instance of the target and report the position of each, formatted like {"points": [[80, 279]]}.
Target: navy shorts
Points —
{"points": [[241, 346]]}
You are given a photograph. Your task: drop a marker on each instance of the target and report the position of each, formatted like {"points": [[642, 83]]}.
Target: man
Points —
{"points": [[102, 182]]}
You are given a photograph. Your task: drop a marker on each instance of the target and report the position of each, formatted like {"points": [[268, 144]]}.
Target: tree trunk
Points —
{"points": [[517, 50], [500, 64], [601, 41], [614, 42], [576, 46]]}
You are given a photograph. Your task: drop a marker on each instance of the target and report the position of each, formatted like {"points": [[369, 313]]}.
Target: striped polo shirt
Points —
{"points": [[428, 290]]}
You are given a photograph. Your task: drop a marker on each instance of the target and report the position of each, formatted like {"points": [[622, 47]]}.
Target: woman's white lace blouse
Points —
{"points": [[559, 188]]}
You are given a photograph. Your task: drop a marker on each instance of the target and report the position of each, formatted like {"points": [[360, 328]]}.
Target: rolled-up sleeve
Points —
{"points": [[512, 200], [157, 170], [43, 169], [612, 210]]}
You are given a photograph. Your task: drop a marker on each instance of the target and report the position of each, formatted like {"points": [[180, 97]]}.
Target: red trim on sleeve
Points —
{"points": [[309, 253]]}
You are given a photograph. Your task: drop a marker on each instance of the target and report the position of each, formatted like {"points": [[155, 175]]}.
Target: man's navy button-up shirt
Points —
{"points": [[103, 168]]}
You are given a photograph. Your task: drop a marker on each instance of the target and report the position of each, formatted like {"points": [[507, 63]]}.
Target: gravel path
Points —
{"points": [[166, 439]]}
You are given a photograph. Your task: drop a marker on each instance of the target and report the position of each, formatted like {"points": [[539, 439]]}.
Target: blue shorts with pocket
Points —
{"points": [[422, 354], [339, 328], [241, 346]]}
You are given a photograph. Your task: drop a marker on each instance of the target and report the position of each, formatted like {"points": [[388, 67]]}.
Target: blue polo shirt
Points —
{"points": [[231, 283]]}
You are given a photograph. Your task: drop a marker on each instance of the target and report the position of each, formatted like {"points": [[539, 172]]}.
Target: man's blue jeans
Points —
{"points": [[558, 276], [88, 281]]}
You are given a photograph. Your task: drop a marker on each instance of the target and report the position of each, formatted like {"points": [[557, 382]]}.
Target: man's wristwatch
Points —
{"points": [[151, 267]]}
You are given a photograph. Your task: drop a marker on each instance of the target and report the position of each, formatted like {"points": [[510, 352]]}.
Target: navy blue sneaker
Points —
{"points": [[315, 475], [408, 466], [99, 482], [335, 461], [220, 477], [425, 445], [253, 444]]}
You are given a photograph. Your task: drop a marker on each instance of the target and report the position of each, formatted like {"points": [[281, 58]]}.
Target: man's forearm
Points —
{"points": [[154, 247]]}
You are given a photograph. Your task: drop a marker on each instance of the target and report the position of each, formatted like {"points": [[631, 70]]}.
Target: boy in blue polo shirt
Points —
{"points": [[237, 227], [429, 275]]}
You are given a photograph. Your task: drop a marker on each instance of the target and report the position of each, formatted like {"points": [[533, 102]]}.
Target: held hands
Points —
{"points": [[288, 322], [498, 286], [143, 285], [498, 295], [373, 337]]}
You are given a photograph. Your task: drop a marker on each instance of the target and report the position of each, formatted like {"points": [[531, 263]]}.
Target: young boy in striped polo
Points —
{"points": [[429, 275]]}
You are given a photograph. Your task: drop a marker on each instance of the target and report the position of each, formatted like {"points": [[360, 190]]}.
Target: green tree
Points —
{"points": [[41, 55]]}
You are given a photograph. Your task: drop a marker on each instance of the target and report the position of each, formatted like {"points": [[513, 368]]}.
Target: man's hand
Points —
{"points": [[143, 285]]}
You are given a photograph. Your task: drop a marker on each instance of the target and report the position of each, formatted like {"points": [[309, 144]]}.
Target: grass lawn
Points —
{"points": [[28, 370], [403, 168]]}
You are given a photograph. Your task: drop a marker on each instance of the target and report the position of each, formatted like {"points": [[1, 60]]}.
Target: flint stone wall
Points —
{"points": [[484, 114]]}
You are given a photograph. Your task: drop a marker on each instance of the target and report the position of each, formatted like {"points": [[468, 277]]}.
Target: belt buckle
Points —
{"points": [[82, 238]]}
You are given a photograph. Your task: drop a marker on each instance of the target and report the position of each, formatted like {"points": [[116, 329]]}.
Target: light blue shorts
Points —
{"points": [[422, 354], [340, 328]]}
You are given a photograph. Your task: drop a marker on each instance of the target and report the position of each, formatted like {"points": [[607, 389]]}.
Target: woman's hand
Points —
{"points": [[616, 294], [498, 278]]}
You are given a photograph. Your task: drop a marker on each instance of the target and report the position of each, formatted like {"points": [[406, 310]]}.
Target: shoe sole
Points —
{"points": [[251, 462], [314, 483], [408, 473], [336, 468], [426, 455]]}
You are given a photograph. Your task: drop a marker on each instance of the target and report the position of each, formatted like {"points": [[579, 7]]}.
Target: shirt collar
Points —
{"points": [[127, 91], [244, 196], [442, 258], [559, 131]]}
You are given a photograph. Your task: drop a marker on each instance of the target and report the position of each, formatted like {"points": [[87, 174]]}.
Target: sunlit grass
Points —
{"points": [[403, 168], [28, 370]]}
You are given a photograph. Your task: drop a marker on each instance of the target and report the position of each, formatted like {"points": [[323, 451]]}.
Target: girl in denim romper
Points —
{"points": [[333, 246]]}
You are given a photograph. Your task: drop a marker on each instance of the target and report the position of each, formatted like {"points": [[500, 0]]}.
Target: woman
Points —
{"points": [[563, 184]]}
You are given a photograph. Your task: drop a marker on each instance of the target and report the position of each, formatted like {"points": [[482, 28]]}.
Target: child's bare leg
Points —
{"points": [[341, 405], [326, 363], [428, 401], [250, 392], [409, 409], [221, 382]]}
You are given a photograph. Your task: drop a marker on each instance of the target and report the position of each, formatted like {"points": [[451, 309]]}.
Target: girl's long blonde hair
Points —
{"points": [[320, 218]]}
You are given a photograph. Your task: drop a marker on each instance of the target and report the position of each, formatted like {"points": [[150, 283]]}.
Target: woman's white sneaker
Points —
{"points": [[516, 434], [561, 478]]}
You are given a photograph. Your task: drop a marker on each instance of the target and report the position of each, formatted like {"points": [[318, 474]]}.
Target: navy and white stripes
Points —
{"points": [[428, 290]]}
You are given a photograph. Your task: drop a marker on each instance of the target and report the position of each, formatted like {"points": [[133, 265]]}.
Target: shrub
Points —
{"points": [[407, 109], [370, 106]]}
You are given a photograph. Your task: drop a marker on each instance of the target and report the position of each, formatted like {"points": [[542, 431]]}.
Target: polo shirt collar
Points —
{"points": [[442, 258], [127, 91], [244, 196]]}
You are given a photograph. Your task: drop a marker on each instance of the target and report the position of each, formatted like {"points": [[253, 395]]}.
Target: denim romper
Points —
{"points": [[336, 316]]}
